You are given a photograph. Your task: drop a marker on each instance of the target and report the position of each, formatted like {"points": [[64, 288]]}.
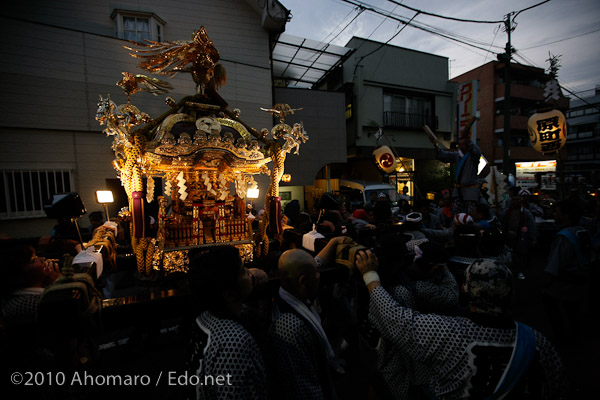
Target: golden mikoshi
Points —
{"points": [[200, 149]]}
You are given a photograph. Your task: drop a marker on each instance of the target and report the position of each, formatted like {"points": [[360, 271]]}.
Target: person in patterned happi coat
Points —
{"points": [[304, 362], [475, 356], [427, 286], [221, 347]]}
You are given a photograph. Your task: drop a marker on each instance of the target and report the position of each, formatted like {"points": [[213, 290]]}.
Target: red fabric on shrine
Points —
{"points": [[137, 213], [275, 226]]}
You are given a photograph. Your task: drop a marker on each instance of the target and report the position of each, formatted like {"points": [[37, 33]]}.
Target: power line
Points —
{"points": [[493, 40], [445, 17], [374, 30], [449, 33], [369, 8], [562, 85], [345, 27], [562, 40], [389, 40], [383, 44], [421, 25], [381, 23], [585, 101], [528, 8]]}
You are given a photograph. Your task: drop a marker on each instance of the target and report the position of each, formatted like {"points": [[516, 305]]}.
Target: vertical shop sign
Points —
{"points": [[467, 106]]}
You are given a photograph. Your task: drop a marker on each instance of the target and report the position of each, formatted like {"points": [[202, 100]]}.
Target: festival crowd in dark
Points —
{"points": [[422, 309]]}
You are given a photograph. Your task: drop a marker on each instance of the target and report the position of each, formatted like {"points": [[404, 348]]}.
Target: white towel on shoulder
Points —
{"points": [[308, 239]]}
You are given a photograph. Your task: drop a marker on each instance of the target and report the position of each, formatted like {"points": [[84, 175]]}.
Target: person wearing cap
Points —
{"points": [[359, 219], [485, 354], [413, 231], [466, 191], [520, 231]]}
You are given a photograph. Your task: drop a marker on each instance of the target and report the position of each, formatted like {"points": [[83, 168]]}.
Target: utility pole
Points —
{"points": [[506, 137]]}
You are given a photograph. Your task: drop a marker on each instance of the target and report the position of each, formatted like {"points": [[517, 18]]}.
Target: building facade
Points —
{"points": [[526, 98], [58, 57], [582, 165], [394, 91]]}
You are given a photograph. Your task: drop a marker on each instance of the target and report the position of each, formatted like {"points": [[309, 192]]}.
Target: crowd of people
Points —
{"points": [[422, 312], [430, 318]]}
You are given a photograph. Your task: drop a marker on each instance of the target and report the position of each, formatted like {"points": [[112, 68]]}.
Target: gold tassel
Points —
{"points": [[149, 255]]}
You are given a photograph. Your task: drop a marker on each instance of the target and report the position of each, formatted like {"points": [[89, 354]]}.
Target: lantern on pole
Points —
{"points": [[385, 158], [547, 131]]}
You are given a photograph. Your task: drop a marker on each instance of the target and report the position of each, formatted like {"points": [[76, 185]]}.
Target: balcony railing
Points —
{"points": [[404, 120]]}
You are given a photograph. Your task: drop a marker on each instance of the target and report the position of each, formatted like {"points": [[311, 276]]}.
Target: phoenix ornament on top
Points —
{"points": [[198, 57], [131, 84]]}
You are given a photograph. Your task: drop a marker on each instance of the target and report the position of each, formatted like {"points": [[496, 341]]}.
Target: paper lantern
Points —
{"points": [[547, 131], [385, 158]]}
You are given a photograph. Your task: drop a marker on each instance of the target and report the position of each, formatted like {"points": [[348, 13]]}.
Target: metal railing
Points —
{"points": [[405, 120]]}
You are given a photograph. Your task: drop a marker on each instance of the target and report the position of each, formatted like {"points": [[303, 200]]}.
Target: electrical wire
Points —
{"points": [[342, 20], [370, 8], [378, 26], [417, 24], [320, 52], [383, 44], [396, 18], [515, 13], [561, 40], [562, 85], [428, 26], [445, 17], [596, 106], [493, 40]]}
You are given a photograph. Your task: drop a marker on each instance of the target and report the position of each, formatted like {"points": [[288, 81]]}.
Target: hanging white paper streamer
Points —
{"points": [[182, 188]]}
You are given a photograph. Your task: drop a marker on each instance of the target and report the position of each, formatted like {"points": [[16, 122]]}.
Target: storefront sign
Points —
{"points": [[526, 174], [467, 106], [532, 167]]}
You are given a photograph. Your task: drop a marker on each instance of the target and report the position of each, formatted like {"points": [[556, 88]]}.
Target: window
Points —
{"points": [[576, 113], [592, 110], [137, 26], [24, 192], [406, 111], [136, 29]]}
